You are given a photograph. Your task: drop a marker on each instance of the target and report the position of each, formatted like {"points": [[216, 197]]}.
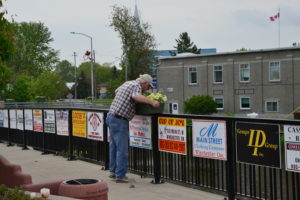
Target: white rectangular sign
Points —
{"points": [[140, 132], [28, 119], [20, 120], [292, 147], [95, 126], [62, 122], [49, 121], [5, 118], [13, 119], [209, 139]]}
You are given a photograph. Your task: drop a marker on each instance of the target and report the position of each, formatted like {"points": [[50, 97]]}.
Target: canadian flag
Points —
{"points": [[273, 18]]}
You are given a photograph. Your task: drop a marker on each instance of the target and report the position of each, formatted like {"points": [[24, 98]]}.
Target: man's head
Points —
{"points": [[146, 81]]}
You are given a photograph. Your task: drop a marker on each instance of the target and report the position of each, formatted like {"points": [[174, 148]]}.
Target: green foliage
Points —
{"points": [[112, 86], [21, 91], [184, 44], [33, 53], [137, 42], [66, 71], [14, 194], [84, 86], [5, 78], [50, 85], [6, 36], [200, 104]]}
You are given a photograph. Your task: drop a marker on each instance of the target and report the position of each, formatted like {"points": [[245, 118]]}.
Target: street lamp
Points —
{"points": [[92, 61]]}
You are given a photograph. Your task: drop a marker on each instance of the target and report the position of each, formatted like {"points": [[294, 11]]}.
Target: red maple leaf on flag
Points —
{"points": [[273, 18]]}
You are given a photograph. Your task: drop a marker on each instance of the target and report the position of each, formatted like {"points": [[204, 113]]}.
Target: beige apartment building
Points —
{"points": [[265, 81]]}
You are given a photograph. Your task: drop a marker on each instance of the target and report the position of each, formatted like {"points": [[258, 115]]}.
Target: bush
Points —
{"points": [[14, 194], [200, 104]]}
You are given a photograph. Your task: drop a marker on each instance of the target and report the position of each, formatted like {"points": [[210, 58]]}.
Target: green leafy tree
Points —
{"points": [[66, 71], [200, 104], [184, 44], [33, 53], [21, 91], [137, 42], [50, 85], [6, 50], [83, 86]]}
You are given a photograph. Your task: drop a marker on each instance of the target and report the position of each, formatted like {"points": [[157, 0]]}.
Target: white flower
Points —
{"points": [[32, 195], [157, 97], [45, 192]]}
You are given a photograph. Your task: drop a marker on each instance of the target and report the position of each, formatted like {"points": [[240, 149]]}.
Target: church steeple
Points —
{"points": [[136, 13]]}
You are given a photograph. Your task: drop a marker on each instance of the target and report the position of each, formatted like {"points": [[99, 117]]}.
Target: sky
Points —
{"points": [[226, 25]]}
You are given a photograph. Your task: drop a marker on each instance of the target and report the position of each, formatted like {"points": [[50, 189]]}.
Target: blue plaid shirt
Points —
{"points": [[123, 104]]}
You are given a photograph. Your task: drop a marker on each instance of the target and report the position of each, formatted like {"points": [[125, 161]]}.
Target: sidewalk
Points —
{"points": [[50, 167]]}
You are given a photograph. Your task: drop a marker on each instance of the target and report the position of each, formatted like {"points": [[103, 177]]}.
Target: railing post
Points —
{"points": [[70, 156], [9, 130], [24, 134], [230, 164], [106, 143], [155, 150]]}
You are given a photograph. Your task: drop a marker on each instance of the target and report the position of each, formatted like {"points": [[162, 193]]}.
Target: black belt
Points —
{"points": [[118, 116]]}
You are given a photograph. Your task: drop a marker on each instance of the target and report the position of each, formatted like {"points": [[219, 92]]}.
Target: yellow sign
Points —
{"points": [[79, 123], [171, 121]]}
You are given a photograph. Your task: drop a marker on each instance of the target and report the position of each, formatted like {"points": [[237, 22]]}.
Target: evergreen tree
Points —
{"points": [[184, 44]]}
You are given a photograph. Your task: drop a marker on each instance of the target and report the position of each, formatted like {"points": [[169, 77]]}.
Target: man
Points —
{"points": [[121, 111]]}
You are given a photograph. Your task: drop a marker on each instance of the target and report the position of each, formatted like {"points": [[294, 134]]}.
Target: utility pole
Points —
{"points": [[74, 54]]}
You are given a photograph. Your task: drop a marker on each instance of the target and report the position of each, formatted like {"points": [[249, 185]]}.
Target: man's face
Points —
{"points": [[145, 86]]}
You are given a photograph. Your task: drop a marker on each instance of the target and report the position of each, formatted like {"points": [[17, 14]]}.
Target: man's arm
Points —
{"points": [[143, 99]]}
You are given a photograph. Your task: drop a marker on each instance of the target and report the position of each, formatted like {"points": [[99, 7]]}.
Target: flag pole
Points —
{"points": [[279, 27]]}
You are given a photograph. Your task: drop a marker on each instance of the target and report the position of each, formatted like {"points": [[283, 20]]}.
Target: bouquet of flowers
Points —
{"points": [[161, 98]]}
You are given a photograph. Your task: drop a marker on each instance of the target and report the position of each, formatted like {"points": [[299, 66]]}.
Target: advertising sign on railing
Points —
{"points": [[95, 124], [62, 122], [13, 119], [49, 121], [140, 132], [172, 135], [79, 123], [258, 144], [292, 147], [5, 118], [37, 120], [20, 120], [1, 118], [209, 139], [28, 119]]}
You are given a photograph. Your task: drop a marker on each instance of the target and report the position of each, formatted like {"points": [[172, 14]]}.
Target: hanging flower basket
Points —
{"points": [[147, 109]]}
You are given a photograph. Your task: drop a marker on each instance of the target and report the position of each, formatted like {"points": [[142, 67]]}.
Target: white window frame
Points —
{"points": [[243, 97], [274, 80], [190, 75], [271, 101], [240, 70], [214, 74], [215, 98]]}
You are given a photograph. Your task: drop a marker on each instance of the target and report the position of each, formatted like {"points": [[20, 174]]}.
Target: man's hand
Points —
{"points": [[155, 104]]}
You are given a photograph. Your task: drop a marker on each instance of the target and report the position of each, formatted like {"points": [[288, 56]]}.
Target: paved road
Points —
{"points": [[50, 167]]}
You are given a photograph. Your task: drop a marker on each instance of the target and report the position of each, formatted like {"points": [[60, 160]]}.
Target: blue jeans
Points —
{"points": [[118, 145]]}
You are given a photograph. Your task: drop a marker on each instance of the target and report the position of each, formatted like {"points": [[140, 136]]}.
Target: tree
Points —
{"points": [[137, 42], [6, 50], [50, 85], [33, 54], [66, 71], [184, 44], [83, 86], [21, 91], [200, 104]]}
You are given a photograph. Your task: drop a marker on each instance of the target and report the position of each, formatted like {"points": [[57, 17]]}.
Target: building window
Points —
{"points": [[274, 71], [271, 106], [245, 103], [218, 74], [192, 75], [220, 103], [244, 73]]}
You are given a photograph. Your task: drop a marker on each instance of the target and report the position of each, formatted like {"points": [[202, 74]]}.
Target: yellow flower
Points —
{"points": [[158, 97]]}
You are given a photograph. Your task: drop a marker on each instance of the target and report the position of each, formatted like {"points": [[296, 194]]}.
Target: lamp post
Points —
{"points": [[92, 61]]}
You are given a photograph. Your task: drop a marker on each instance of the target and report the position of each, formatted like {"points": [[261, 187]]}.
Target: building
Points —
{"points": [[265, 81]]}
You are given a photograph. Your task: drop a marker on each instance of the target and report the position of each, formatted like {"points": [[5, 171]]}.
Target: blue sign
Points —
{"points": [[154, 83]]}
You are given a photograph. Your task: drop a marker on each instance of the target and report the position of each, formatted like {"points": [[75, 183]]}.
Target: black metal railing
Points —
{"points": [[230, 178]]}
